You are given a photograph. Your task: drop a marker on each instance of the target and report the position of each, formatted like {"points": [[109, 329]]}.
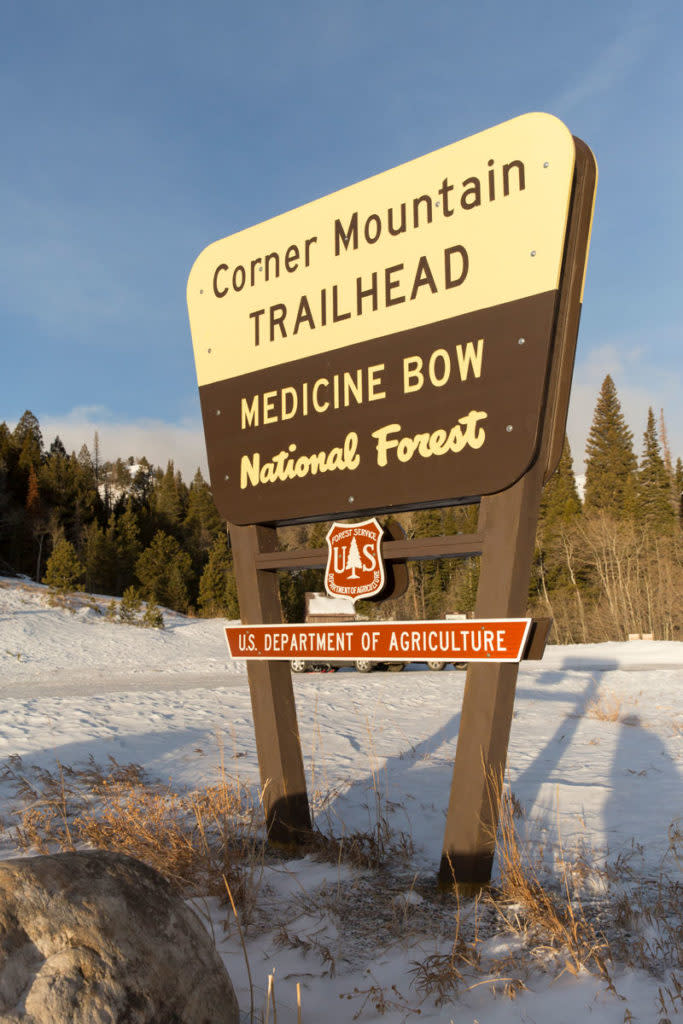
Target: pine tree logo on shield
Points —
{"points": [[354, 561]]}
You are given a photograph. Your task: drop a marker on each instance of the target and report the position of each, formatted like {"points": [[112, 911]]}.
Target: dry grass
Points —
{"points": [[551, 920], [377, 847], [605, 708], [547, 925], [209, 841], [380, 998], [199, 840], [648, 912], [195, 839], [440, 976]]}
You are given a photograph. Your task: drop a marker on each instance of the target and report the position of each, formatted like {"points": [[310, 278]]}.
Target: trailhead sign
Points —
{"points": [[406, 342], [387, 346]]}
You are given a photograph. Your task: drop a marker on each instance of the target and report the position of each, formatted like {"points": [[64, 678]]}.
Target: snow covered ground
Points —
{"points": [[594, 762]]}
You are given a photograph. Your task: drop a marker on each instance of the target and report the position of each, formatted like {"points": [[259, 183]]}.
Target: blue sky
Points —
{"points": [[135, 134]]}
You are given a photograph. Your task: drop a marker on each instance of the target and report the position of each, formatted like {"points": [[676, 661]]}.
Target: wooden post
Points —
{"points": [[508, 522], [278, 745]]}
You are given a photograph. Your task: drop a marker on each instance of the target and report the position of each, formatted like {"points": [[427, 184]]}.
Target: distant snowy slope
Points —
{"points": [[42, 644]]}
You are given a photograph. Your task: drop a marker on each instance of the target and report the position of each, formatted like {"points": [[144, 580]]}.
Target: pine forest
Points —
{"points": [[607, 564]]}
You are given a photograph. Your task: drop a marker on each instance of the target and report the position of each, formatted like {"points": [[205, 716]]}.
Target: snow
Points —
{"points": [[594, 761], [322, 604], [581, 485]]}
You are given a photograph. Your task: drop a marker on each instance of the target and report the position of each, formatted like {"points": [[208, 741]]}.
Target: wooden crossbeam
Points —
{"points": [[459, 545]]}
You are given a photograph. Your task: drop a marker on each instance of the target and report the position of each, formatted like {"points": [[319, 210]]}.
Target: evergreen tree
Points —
{"points": [[295, 585], [85, 460], [143, 483], [6, 497], [20, 500], [560, 499], [217, 587], [292, 596], [678, 486], [57, 447], [88, 503], [655, 507], [63, 570], [664, 441], [560, 506], [28, 440], [202, 522], [32, 494], [99, 560], [86, 482], [130, 606], [127, 546], [610, 462], [460, 519], [467, 584], [169, 499], [70, 491], [461, 588], [6, 442], [96, 459], [152, 618], [120, 476], [36, 523], [9, 457], [430, 578], [669, 465], [164, 571]]}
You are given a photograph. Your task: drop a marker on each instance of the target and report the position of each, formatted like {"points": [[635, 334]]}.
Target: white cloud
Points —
{"points": [[157, 440], [611, 67]]}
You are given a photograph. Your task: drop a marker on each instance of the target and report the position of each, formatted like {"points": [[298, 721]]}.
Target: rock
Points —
{"points": [[100, 938]]}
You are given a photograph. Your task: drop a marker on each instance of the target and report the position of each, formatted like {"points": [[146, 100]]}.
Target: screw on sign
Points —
{"points": [[355, 567]]}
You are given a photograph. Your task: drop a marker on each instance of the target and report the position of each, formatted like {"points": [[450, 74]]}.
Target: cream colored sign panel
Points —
{"points": [[476, 224]]}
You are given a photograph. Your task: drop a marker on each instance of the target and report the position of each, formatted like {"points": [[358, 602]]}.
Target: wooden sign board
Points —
{"points": [[387, 346], [406, 342]]}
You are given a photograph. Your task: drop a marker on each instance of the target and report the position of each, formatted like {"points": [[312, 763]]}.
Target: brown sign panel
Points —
{"points": [[470, 395], [490, 640], [387, 346]]}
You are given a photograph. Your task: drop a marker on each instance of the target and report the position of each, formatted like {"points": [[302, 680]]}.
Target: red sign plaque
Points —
{"points": [[354, 561], [492, 640]]}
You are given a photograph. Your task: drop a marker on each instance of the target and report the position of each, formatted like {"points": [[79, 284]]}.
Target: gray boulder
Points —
{"points": [[99, 938]]}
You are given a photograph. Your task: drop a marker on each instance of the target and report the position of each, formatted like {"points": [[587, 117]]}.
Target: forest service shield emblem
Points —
{"points": [[354, 561]]}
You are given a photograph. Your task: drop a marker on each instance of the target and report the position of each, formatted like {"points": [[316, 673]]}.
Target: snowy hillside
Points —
{"points": [[595, 762]]}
